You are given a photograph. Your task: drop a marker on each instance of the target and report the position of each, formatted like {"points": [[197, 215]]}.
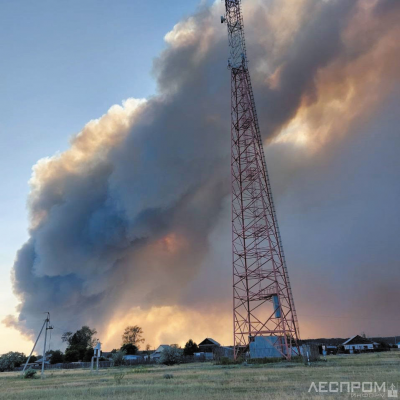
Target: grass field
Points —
{"points": [[281, 380]]}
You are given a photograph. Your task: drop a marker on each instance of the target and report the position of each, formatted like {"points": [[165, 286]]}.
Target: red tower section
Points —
{"points": [[262, 297]]}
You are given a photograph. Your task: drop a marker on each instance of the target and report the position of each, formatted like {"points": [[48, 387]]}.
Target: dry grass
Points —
{"points": [[205, 381]]}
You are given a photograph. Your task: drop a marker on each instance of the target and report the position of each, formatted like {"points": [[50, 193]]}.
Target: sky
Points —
{"points": [[117, 113], [63, 59]]}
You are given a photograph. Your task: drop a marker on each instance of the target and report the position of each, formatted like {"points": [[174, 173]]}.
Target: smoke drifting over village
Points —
{"points": [[131, 225]]}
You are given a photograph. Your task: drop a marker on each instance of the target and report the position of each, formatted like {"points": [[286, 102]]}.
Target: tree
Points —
{"points": [[383, 345], [11, 360], [71, 355], [79, 342], [148, 348], [82, 337], [171, 356], [89, 353], [57, 357], [129, 348], [133, 335], [190, 348]]}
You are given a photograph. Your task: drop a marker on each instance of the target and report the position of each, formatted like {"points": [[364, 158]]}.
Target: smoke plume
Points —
{"points": [[131, 225]]}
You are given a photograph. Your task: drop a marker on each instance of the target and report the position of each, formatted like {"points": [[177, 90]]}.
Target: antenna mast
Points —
{"points": [[262, 297]]}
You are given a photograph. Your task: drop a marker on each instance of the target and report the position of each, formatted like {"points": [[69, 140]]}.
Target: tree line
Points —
{"points": [[80, 347]]}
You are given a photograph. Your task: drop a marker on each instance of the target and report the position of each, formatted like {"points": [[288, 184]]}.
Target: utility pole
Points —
{"points": [[45, 339], [30, 355], [48, 326]]}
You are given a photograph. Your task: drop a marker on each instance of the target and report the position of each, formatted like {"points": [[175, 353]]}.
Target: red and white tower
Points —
{"points": [[262, 297]]}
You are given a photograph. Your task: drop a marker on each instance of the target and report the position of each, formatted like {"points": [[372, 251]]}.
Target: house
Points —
{"points": [[358, 343], [210, 349], [40, 360], [222, 351], [157, 354], [106, 354], [208, 345]]}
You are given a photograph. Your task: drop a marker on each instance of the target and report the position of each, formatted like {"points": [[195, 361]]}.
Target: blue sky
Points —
{"points": [[62, 64]]}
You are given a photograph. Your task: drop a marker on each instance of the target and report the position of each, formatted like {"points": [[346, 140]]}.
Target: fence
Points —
{"points": [[76, 365], [310, 353], [107, 364]]}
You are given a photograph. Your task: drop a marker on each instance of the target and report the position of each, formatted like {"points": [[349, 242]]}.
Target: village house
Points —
{"points": [[157, 354], [359, 343]]}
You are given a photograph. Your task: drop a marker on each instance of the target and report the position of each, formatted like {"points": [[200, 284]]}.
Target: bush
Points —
{"points": [[229, 361], [171, 356], [297, 359], [168, 376], [118, 378], [118, 358], [267, 360], [30, 374], [140, 370]]}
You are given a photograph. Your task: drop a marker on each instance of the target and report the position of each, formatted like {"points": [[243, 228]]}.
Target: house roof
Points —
{"points": [[40, 360], [163, 347], [357, 339], [208, 342]]}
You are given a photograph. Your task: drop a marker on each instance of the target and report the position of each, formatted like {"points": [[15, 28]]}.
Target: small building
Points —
{"points": [[106, 354], [266, 347], [132, 357], [208, 345], [327, 349], [358, 343], [157, 354], [32, 365]]}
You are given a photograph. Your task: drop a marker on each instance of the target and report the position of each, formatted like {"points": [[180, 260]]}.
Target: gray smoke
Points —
{"points": [[136, 214]]}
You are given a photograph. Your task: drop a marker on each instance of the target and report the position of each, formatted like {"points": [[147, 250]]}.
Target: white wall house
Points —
{"points": [[358, 343], [157, 354]]}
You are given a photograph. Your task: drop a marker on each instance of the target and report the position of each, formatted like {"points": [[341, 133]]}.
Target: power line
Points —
{"points": [[348, 317]]}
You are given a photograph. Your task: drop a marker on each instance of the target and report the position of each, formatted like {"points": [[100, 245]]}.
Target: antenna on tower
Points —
{"points": [[263, 306]]}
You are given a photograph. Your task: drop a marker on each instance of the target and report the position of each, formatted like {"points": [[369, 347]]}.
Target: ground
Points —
{"points": [[281, 380]]}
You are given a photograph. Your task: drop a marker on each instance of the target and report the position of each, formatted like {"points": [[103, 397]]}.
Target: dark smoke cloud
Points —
{"points": [[136, 215]]}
